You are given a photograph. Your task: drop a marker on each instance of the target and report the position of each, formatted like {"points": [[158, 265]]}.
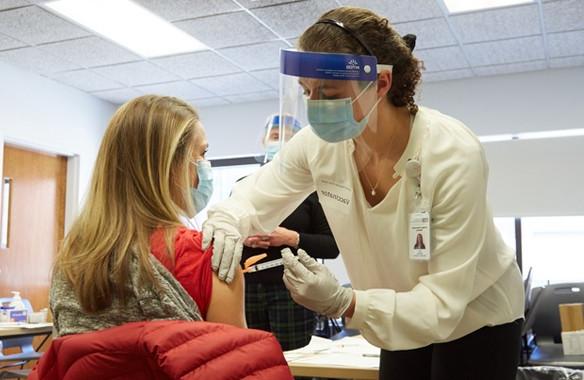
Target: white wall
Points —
{"points": [[40, 113], [532, 177], [533, 101], [236, 130], [537, 177]]}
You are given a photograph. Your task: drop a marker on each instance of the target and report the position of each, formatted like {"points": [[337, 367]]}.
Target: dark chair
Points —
{"points": [[543, 321], [27, 352]]}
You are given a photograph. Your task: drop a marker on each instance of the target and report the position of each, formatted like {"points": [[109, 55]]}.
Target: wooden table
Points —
{"points": [[334, 372], [348, 358], [29, 330]]}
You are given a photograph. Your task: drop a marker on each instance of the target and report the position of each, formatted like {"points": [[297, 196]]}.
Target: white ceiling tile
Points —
{"points": [[291, 19], [32, 59], [9, 43], [180, 89], [440, 59], [231, 84], [508, 51], [510, 68], [557, 63], [270, 77], [90, 52], [399, 10], [118, 96], [225, 30], [446, 75], [563, 15], [208, 102], [136, 73], [509, 22], [256, 57], [86, 80], [34, 25], [7, 4], [430, 33], [197, 65], [566, 44], [253, 97], [250, 4], [186, 9]]}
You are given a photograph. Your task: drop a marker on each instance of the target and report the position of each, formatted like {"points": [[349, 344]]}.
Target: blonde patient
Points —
{"points": [[127, 252]]}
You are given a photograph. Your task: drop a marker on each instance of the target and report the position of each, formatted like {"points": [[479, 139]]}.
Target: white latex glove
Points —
{"points": [[227, 247], [313, 286]]}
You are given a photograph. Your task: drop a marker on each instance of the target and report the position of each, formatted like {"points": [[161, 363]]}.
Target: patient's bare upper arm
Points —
{"points": [[227, 301]]}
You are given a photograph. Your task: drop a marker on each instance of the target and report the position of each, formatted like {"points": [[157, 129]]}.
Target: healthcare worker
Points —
{"points": [[268, 305], [385, 171]]}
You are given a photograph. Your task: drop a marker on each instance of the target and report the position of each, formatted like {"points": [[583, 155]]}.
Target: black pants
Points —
{"points": [[490, 353]]}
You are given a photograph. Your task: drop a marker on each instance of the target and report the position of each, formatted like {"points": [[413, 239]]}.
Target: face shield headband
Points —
{"points": [[333, 119]]}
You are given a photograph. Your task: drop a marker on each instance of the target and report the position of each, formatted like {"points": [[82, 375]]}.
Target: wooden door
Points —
{"points": [[36, 227]]}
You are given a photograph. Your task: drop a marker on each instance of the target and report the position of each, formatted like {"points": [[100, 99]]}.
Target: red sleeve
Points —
{"points": [[192, 265]]}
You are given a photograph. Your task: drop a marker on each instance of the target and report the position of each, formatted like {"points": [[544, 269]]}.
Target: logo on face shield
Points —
{"points": [[352, 64]]}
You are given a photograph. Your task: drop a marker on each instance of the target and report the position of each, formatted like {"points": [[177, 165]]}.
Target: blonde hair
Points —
{"points": [[140, 183], [383, 40]]}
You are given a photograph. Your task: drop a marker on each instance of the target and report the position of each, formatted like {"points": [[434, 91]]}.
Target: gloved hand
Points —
{"points": [[313, 286], [227, 247]]}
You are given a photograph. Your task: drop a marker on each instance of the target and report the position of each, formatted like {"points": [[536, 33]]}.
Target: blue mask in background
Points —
{"points": [[271, 149], [332, 119], [202, 193]]}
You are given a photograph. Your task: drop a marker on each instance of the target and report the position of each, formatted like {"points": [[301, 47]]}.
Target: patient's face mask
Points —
{"points": [[333, 120], [202, 193]]}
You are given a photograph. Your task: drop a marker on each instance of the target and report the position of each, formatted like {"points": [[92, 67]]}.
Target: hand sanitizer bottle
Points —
{"points": [[19, 312]]}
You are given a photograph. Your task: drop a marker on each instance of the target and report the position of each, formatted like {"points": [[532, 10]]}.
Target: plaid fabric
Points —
{"points": [[269, 307]]}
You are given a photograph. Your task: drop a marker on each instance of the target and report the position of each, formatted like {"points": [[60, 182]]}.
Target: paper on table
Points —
{"points": [[352, 351], [340, 360], [316, 345], [355, 345]]}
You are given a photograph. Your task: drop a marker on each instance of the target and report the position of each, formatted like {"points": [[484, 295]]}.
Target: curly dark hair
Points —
{"points": [[383, 40]]}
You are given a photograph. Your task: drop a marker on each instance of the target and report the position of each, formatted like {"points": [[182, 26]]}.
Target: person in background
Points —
{"points": [[124, 253], [268, 305]]}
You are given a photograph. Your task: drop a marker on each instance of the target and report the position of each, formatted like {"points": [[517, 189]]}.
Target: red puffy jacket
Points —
{"points": [[164, 350]]}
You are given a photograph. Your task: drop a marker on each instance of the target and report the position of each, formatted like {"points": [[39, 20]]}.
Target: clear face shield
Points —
{"points": [[335, 93]]}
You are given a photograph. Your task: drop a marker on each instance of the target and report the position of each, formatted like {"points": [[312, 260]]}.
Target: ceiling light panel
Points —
{"points": [[459, 6], [128, 24]]}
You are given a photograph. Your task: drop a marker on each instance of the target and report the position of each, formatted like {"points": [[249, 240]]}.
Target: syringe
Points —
{"points": [[264, 266]]}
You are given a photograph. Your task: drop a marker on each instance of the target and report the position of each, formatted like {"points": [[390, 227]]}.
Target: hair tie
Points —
{"points": [[410, 40]]}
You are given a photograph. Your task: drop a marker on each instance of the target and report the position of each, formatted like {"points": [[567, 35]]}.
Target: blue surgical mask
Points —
{"points": [[202, 193], [271, 149], [332, 119]]}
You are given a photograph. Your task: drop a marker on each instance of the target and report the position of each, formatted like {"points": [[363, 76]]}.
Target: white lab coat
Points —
{"points": [[471, 280]]}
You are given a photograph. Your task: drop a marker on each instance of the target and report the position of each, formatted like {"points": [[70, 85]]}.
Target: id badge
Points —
{"points": [[420, 236]]}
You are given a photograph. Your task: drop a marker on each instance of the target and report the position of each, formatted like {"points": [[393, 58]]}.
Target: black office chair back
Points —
{"points": [[544, 315]]}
